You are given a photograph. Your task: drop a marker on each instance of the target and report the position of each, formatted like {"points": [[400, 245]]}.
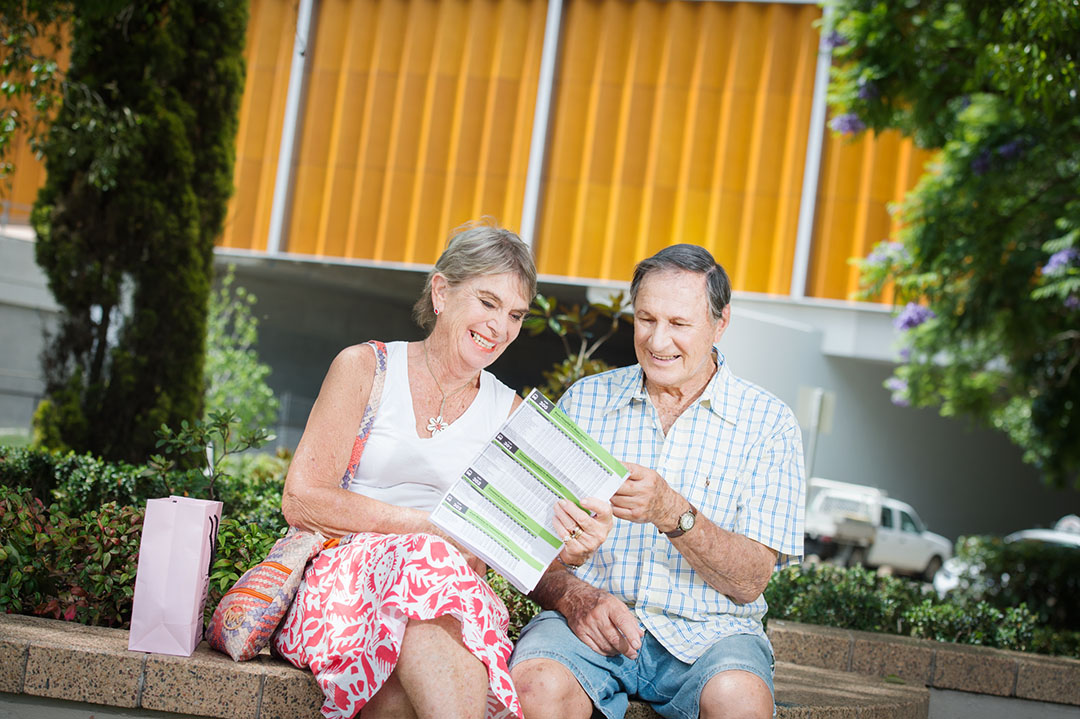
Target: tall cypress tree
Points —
{"points": [[139, 162]]}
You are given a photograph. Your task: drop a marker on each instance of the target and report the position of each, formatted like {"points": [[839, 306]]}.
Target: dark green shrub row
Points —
{"points": [[860, 599], [1006, 574], [250, 489], [82, 567]]}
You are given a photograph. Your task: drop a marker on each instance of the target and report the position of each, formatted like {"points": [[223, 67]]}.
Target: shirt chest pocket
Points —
{"points": [[717, 497]]}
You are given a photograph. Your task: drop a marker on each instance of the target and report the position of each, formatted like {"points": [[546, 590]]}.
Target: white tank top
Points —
{"points": [[400, 468]]}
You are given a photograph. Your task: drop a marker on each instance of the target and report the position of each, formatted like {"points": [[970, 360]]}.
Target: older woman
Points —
{"points": [[397, 620]]}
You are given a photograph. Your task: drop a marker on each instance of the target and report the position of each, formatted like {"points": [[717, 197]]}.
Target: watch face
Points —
{"points": [[686, 521]]}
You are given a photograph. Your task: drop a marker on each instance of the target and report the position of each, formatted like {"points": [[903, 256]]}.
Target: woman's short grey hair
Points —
{"points": [[693, 259], [477, 249]]}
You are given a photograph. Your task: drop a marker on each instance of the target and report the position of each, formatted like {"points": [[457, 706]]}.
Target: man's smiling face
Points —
{"points": [[673, 329]]}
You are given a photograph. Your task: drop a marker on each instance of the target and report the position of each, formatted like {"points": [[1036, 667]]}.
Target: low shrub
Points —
{"points": [[520, 607], [82, 568], [860, 599], [854, 598], [249, 488], [1007, 574]]}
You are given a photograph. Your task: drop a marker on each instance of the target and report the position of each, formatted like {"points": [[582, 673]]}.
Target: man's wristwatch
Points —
{"points": [[686, 523]]}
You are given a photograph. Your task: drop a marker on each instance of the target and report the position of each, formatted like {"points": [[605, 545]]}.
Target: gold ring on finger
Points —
{"points": [[576, 533]]}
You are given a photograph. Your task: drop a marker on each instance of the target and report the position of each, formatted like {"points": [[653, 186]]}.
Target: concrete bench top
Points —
{"points": [[71, 662]]}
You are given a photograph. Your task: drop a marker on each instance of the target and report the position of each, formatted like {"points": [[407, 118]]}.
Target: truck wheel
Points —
{"points": [[932, 569]]}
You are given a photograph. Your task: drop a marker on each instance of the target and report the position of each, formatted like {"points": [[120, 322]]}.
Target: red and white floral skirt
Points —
{"points": [[349, 617]]}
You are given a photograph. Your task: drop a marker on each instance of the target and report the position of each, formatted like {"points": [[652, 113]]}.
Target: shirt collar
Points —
{"points": [[717, 397]]}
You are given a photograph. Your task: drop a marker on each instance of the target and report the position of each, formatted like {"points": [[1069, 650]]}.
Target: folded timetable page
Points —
{"points": [[503, 506]]}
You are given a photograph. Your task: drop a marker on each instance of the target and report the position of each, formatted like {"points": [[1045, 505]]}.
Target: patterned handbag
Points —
{"points": [[248, 614]]}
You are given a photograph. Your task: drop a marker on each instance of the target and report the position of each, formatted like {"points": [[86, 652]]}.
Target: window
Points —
{"points": [[886, 518], [908, 524]]}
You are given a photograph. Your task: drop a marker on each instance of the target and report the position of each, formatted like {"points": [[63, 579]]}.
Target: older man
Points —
{"points": [[669, 609]]}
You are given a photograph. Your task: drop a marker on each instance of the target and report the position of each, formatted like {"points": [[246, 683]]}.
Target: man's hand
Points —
{"points": [[646, 498], [600, 620]]}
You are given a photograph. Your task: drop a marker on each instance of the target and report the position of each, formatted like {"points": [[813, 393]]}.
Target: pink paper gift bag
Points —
{"points": [[177, 546]]}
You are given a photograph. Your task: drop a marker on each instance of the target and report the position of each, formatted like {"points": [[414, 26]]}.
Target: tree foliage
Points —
{"points": [[987, 260], [235, 377], [139, 160]]}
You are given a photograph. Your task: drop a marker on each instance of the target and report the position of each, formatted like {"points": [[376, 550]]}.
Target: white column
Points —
{"points": [[541, 119], [294, 107], [804, 235]]}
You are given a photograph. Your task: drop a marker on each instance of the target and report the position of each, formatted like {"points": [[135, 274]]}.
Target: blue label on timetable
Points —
{"points": [[505, 442], [456, 503]]}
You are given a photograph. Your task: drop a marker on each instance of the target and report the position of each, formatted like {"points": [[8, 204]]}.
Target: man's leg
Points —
{"points": [[558, 675], [548, 690], [736, 694]]}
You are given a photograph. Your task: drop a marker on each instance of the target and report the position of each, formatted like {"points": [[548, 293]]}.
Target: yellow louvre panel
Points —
{"points": [[268, 56], [859, 180], [19, 190], [679, 122], [418, 118]]}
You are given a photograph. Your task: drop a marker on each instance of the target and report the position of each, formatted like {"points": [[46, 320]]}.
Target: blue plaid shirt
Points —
{"points": [[736, 455]]}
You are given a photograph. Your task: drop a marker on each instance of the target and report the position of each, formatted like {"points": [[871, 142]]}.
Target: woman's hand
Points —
{"points": [[583, 531]]}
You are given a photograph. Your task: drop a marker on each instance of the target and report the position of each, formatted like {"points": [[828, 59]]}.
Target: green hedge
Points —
{"points": [[857, 598], [75, 558], [1006, 574], [250, 490]]}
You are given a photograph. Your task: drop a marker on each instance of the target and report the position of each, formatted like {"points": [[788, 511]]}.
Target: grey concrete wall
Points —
{"points": [[27, 310]]}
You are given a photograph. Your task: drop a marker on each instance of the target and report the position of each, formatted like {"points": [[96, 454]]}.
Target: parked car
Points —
{"points": [[851, 524], [905, 544]]}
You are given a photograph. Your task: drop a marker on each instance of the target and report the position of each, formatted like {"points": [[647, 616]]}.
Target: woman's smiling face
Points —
{"points": [[481, 315]]}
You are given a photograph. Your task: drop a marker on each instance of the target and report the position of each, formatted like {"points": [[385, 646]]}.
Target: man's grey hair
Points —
{"points": [[477, 249], [692, 259]]}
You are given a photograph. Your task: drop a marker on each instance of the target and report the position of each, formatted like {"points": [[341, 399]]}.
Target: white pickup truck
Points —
{"points": [[855, 524]]}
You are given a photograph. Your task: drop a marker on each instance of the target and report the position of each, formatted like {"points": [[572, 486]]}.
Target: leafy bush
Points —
{"points": [[82, 568], [854, 598], [582, 330], [77, 482], [520, 607], [857, 598], [1007, 574], [79, 568], [249, 485], [977, 623], [250, 488]]}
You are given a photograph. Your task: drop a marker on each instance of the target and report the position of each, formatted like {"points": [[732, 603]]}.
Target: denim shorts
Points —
{"points": [[671, 686]]}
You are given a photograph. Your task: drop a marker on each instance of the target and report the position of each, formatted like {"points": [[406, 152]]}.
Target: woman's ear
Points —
{"points": [[439, 288]]}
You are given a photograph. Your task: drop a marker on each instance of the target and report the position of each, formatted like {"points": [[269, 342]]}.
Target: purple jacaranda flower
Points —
{"points": [[886, 251], [912, 316], [898, 387], [981, 163], [1072, 302], [868, 90], [834, 40], [905, 353], [963, 103], [1011, 150], [848, 123], [1061, 261]]}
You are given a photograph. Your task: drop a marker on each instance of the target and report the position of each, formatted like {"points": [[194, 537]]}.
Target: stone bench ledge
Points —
{"points": [[924, 662], [65, 661]]}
